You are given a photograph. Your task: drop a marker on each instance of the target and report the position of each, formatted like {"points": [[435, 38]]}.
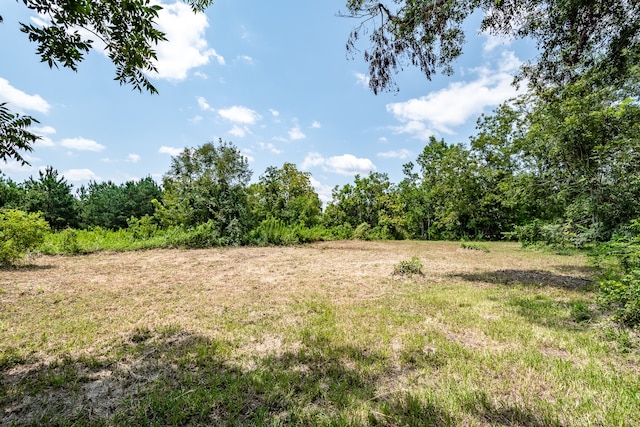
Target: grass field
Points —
{"points": [[320, 334]]}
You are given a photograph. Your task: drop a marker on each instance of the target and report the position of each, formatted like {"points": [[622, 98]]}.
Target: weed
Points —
{"points": [[409, 267], [474, 246]]}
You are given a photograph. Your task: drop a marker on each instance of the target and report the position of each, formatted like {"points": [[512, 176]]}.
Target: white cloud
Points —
{"points": [[201, 75], [383, 139], [186, 47], [275, 113], [295, 134], [172, 151], [239, 114], [133, 158], [246, 59], [346, 164], [492, 42], [362, 79], [43, 130], [269, 146], [203, 104], [82, 144], [323, 190], [21, 101], [240, 132], [80, 175], [196, 119], [395, 154], [316, 125], [445, 109], [17, 167]]}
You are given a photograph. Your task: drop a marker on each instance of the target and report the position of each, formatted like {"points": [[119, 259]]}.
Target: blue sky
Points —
{"points": [[273, 78]]}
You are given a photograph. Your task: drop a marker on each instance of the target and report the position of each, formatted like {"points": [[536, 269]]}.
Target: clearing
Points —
{"points": [[320, 334]]}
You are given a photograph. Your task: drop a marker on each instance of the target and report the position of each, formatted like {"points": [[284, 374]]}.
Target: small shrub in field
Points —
{"points": [[20, 232], [408, 267], [70, 241], [474, 246]]}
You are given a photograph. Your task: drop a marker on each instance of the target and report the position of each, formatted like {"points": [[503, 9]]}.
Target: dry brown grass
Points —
{"points": [[274, 303]]}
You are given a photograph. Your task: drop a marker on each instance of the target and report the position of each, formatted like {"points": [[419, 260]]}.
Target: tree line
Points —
{"points": [[562, 166]]}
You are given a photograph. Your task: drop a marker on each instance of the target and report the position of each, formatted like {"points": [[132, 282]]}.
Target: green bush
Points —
{"points": [[474, 246], [70, 241], [20, 232], [408, 267], [362, 231], [619, 261]]}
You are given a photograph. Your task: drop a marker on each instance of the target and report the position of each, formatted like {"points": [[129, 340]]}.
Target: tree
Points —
{"points": [[208, 184], [52, 196], [110, 206], [125, 28], [572, 35], [286, 194]]}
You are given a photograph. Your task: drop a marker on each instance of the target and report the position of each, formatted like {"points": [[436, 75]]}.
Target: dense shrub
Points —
{"points": [[619, 261], [408, 267], [20, 232]]}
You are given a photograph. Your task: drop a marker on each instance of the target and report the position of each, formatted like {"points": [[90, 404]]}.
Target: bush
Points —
{"points": [[474, 246], [70, 241], [408, 267], [362, 231], [619, 261], [20, 232]]}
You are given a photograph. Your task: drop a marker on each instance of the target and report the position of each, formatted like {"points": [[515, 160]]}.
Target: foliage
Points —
{"points": [[11, 194], [15, 135], [570, 35], [111, 206], [69, 242], [474, 246], [208, 184], [127, 31], [411, 266], [20, 232], [619, 261], [51, 195], [286, 194]]}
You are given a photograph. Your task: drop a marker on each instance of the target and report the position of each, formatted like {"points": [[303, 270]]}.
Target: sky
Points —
{"points": [[273, 78]]}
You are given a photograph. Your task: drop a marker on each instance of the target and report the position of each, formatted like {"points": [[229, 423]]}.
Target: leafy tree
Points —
{"points": [[14, 135], [371, 200], [571, 35], [111, 206], [208, 184], [52, 196], [20, 232], [11, 194], [126, 29], [286, 194]]}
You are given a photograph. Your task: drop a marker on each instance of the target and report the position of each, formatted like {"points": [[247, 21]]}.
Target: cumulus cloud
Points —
{"points": [[248, 154], [395, 154], [443, 110], [133, 158], [43, 132], [323, 190], [203, 104], [295, 134], [21, 101], [239, 114], [82, 144], [186, 47], [346, 164], [76, 175], [316, 125], [362, 80], [275, 113], [172, 151], [270, 147], [239, 131]]}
